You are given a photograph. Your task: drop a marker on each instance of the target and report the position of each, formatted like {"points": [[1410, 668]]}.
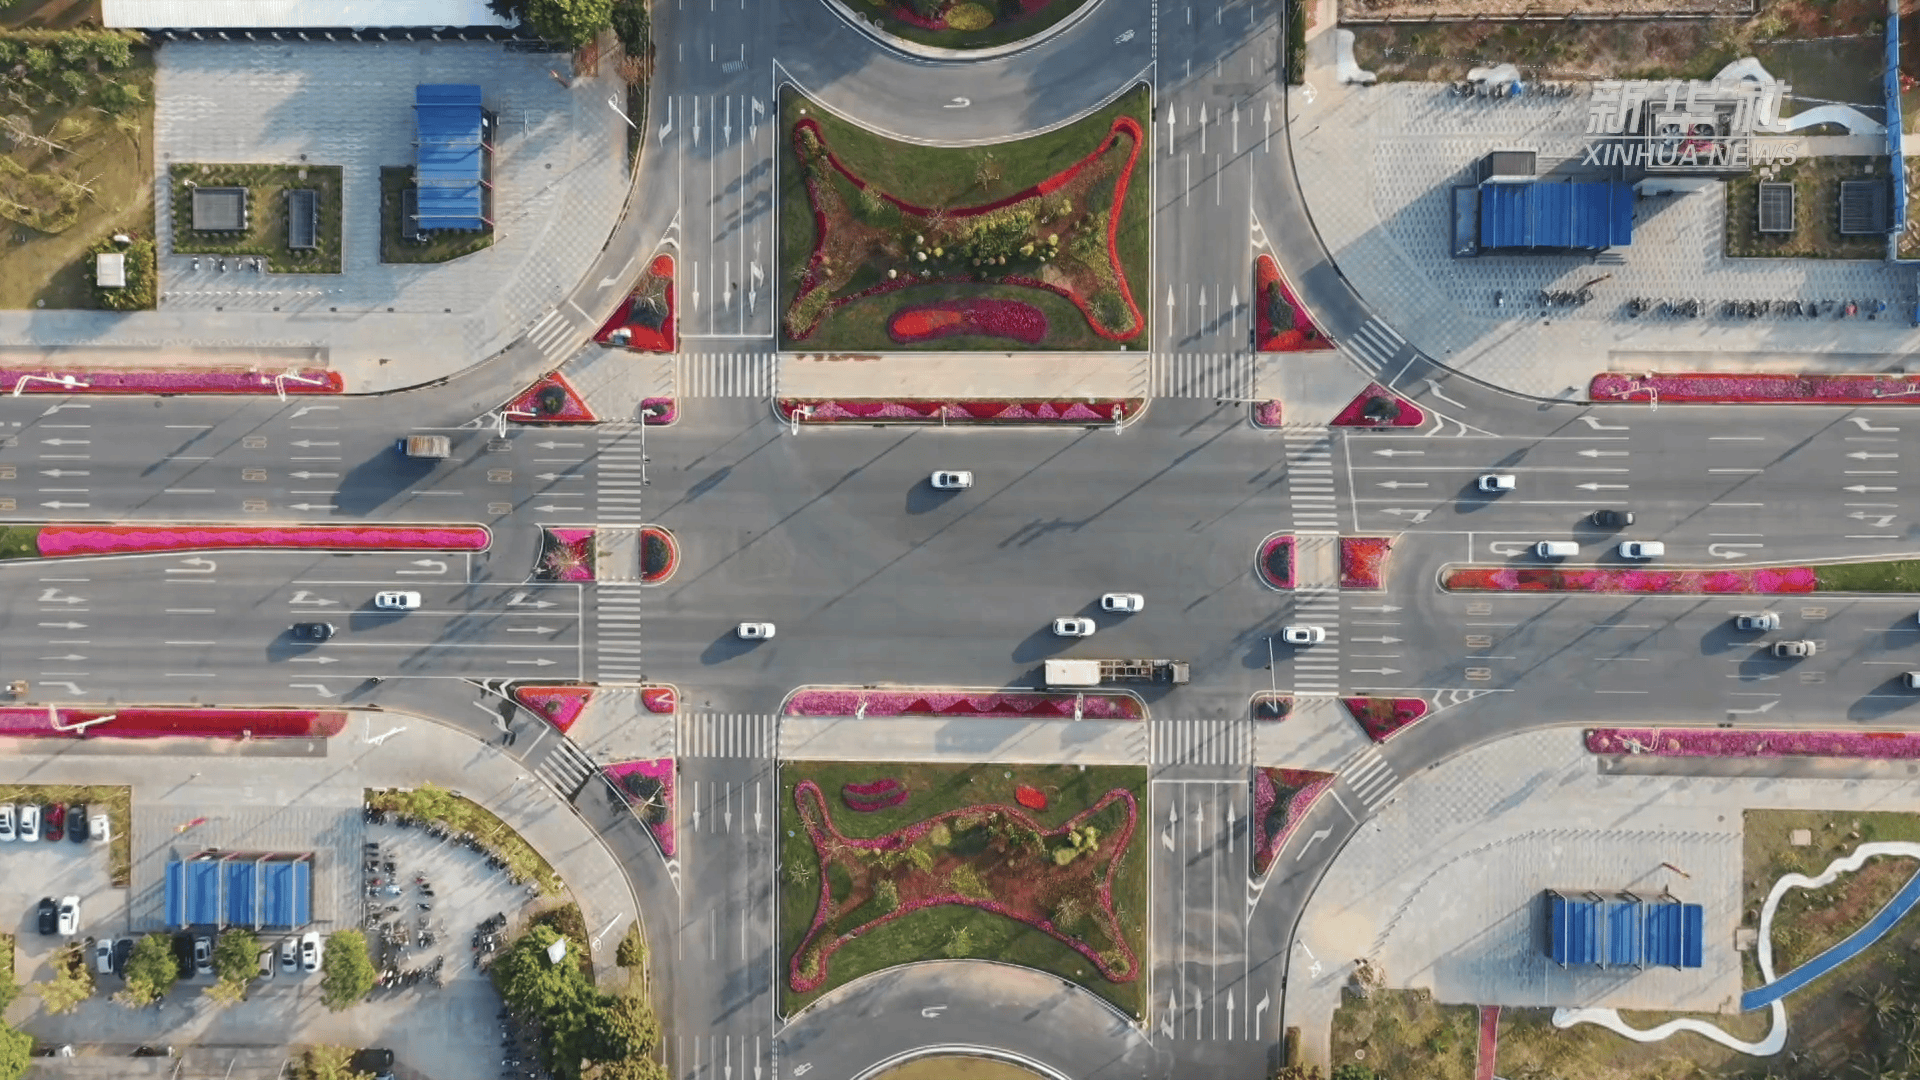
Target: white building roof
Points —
{"points": [[295, 14], [110, 270]]}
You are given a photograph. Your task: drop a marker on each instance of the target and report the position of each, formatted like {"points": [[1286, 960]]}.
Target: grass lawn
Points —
{"points": [[1002, 32], [925, 934], [1816, 212], [440, 245], [266, 234], [1887, 575], [1403, 1034], [431, 803], [20, 542], [957, 178], [116, 802], [1809, 921], [99, 183]]}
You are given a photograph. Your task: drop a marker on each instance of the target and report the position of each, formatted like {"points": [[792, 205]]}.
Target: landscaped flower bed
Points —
{"points": [[1376, 406], [1266, 414], [64, 540], [646, 316], [1275, 561], [1058, 237], [658, 411], [173, 381], [648, 788], [552, 400], [1282, 322], [1689, 386], [659, 699], [1757, 580], [1382, 717], [878, 795], [1363, 561], [1014, 867], [1030, 797], [1735, 742], [133, 722], [565, 555], [911, 702], [1281, 799], [659, 554], [879, 410], [557, 705], [988, 318]]}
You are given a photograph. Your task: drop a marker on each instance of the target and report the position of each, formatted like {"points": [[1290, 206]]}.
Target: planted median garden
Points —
{"points": [[1878, 575], [1036, 244], [1036, 865]]}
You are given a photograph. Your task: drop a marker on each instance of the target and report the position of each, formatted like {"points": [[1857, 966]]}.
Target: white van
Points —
{"points": [[1556, 549]]}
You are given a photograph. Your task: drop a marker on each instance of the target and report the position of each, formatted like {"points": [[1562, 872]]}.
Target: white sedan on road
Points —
{"points": [[396, 600], [1304, 635], [754, 631], [1073, 626], [1124, 603], [952, 479]]}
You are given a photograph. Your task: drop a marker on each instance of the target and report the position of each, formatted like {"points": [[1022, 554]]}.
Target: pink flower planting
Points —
{"points": [[1764, 580], [1382, 718], [658, 411], [143, 723], [65, 540], [1379, 407], [557, 705], [1275, 561], [659, 554], [1292, 792], [980, 316], [878, 795], [1363, 561], [1266, 414], [958, 703], [1684, 386], [867, 410], [1281, 322], [659, 699], [552, 400], [566, 555], [827, 841], [635, 319], [173, 381], [648, 788], [1735, 742]]}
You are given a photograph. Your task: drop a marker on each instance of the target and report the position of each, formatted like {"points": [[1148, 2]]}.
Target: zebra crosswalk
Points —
{"points": [[1375, 345], [740, 735], [565, 767], [1309, 453], [1316, 669], [620, 478], [1204, 375], [552, 335], [724, 375], [1202, 742], [616, 637], [1369, 777]]}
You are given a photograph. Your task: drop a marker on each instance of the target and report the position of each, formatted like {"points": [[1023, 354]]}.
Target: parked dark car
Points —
{"points": [[1612, 519], [56, 821], [49, 915], [77, 823]]}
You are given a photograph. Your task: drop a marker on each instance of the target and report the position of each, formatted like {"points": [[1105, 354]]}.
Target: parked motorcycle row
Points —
{"points": [[1753, 309], [1468, 88]]}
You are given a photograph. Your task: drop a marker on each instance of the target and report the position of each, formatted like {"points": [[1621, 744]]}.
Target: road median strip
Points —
{"points": [[1790, 579], [67, 541]]}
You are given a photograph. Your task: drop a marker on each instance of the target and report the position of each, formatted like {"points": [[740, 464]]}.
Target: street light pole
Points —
{"points": [[614, 104], [1272, 674]]}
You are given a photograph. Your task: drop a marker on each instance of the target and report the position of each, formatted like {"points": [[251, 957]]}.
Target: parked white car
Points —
{"points": [[1760, 621], [103, 956], [396, 600], [99, 828], [952, 479], [30, 822], [754, 631], [6, 822], [310, 950], [1073, 626], [69, 916], [1304, 635], [1123, 602]]}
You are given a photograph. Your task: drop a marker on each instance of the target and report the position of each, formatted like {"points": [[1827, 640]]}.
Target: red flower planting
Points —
{"points": [[956, 703], [1722, 742], [878, 795], [869, 410], [62, 540], [647, 786], [557, 705], [1282, 323], [552, 400], [918, 888], [643, 324], [1030, 797], [1383, 717], [1684, 386], [1379, 407], [173, 381], [565, 555], [141, 723], [1275, 561], [659, 554], [989, 318], [1363, 561], [1759, 580], [658, 411], [659, 699], [1281, 799]]}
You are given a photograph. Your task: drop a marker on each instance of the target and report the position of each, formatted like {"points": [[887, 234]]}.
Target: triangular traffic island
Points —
{"points": [[1363, 561], [1275, 561], [1378, 407], [565, 555], [647, 786], [659, 554], [644, 321], [1384, 717], [557, 705], [552, 400], [1281, 799], [1282, 322]]}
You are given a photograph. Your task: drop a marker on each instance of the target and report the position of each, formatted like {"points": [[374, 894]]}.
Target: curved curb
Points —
{"points": [[1261, 551], [845, 988], [916, 51], [963, 1050], [673, 550]]}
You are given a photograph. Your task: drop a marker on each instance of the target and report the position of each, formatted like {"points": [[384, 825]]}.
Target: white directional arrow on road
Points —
{"points": [[1267, 140], [58, 473], [1398, 484], [559, 445], [314, 660], [55, 596], [1378, 640], [1434, 389], [195, 565], [1398, 453], [1203, 128], [1376, 607], [305, 409], [1259, 1011], [1865, 425], [66, 442], [1880, 521], [532, 629], [305, 597], [1601, 487], [69, 657], [1169, 131], [1318, 835], [320, 688], [553, 510], [1857, 489], [63, 625], [1229, 828], [1233, 298], [542, 662], [1603, 453], [82, 506], [1730, 551], [958, 103], [1376, 671], [1598, 426], [432, 566], [1418, 516], [1230, 993], [1865, 456], [1759, 709], [308, 444], [552, 476], [520, 599]]}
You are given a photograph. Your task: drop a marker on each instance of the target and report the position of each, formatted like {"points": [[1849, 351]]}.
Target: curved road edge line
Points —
{"points": [[826, 1001], [1124, 86], [962, 1050], [913, 50]]}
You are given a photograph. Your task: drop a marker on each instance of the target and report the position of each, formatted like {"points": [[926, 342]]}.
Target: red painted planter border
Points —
{"points": [[63, 541], [1271, 544], [661, 769], [882, 410], [673, 554], [1758, 580], [1384, 717], [1411, 415], [1717, 742], [1363, 561], [525, 408], [567, 703], [298, 381], [1303, 787], [642, 338], [1310, 339], [135, 722]]}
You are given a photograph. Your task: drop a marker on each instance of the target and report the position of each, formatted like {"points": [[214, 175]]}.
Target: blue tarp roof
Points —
{"points": [[1575, 929], [1623, 932], [1554, 215], [1673, 934], [241, 909], [242, 891], [203, 891], [286, 893], [176, 893], [448, 165]]}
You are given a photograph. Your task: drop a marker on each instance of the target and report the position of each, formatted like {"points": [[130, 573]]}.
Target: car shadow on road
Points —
{"points": [[923, 497], [728, 646], [1884, 700]]}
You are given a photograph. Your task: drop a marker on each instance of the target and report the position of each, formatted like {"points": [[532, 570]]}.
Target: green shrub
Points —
{"points": [[119, 97], [152, 970], [346, 971], [888, 894], [39, 61], [969, 16], [966, 883], [142, 276], [959, 944]]}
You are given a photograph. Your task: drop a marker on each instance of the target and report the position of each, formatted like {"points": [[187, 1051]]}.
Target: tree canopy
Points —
{"points": [[346, 971], [152, 970]]}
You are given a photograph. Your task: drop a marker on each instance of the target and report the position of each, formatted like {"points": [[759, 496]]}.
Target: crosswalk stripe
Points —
{"points": [[566, 767], [746, 735], [1375, 344], [1201, 742], [1369, 776], [724, 374], [549, 333]]}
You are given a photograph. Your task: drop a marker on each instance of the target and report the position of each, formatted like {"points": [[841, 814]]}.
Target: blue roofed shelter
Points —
{"points": [[239, 889], [453, 159], [1576, 929], [1545, 215]]}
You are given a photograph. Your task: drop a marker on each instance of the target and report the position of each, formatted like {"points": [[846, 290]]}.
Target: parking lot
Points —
{"points": [[29, 871]]}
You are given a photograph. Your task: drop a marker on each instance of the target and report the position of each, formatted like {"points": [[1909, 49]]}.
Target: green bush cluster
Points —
{"points": [[617, 1034], [142, 276]]}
